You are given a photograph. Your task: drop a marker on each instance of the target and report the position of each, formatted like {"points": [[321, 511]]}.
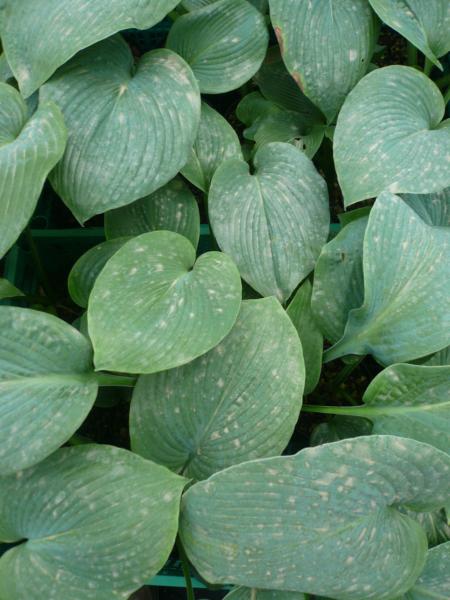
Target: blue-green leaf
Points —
{"points": [[38, 37], [224, 43], [325, 521], [239, 401], [111, 159]]}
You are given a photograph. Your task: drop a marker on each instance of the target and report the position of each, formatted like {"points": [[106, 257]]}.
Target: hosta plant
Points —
{"points": [[281, 372]]}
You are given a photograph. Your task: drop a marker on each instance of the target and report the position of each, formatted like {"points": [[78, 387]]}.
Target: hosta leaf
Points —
{"points": [[340, 428], [299, 310], [338, 280], [434, 209], [406, 310], [412, 401], [224, 43], [216, 141], [131, 128], [47, 385], [426, 25], [173, 208], [167, 309], [29, 148], [324, 521], [273, 222], [8, 290], [377, 147], [244, 593], [434, 582], [261, 5], [286, 126], [239, 401], [97, 522], [326, 46], [39, 37], [436, 359], [252, 106], [278, 86], [87, 268]]}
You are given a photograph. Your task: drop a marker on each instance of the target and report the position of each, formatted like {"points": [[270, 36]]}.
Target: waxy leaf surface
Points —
{"points": [[424, 24], [216, 141], [406, 309], [326, 46], [412, 401], [239, 401], [87, 268], [338, 280], [434, 582], [96, 522], [38, 37], [47, 386], [390, 136], [154, 307], [29, 149], [172, 208], [224, 43], [274, 222], [324, 521], [131, 127]]}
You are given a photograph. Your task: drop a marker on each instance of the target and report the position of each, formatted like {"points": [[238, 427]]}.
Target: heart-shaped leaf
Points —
{"points": [[412, 401], [338, 280], [426, 25], [47, 385], [39, 37], [406, 310], [434, 582], [8, 290], [29, 148], [299, 310], [88, 267], [326, 46], [98, 523], [244, 593], [216, 141], [377, 147], [273, 222], [224, 43], [239, 401], [166, 308], [290, 514], [172, 208], [111, 158]]}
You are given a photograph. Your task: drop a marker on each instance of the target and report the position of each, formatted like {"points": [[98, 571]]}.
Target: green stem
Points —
{"points": [[108, 380], [412, 55], [42, 275], [346, 371], [186, 571], [78, 440], [427, 66], [443, 81], [173, 15]]}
